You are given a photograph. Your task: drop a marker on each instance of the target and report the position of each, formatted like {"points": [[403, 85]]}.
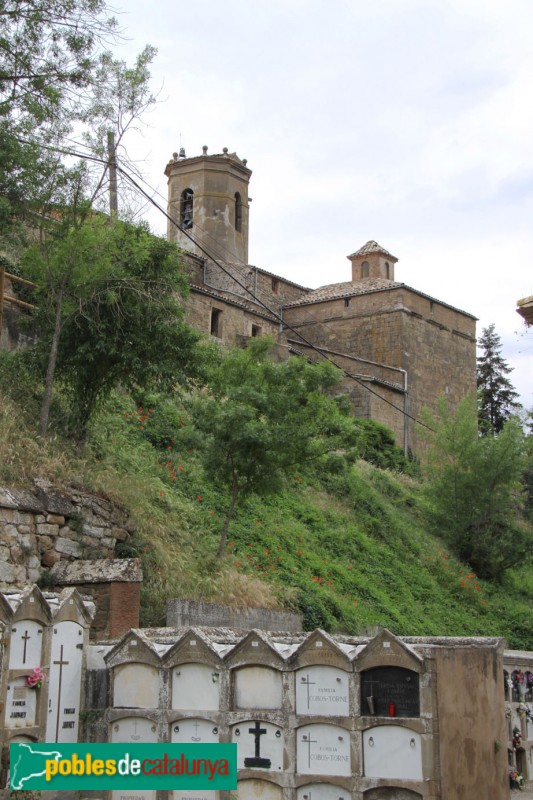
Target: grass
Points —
{"points": [[348, 548]]}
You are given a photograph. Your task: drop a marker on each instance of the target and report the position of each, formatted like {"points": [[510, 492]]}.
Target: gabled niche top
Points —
{"points": [[385, 649], [193, 646], [320, 648]]}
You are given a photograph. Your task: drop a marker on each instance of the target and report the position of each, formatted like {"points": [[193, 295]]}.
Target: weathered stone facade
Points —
{"points": [[43, 527], [401, 348]]}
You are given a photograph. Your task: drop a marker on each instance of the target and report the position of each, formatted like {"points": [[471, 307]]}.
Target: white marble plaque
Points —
{"points": [[26, 645], [252, 789], [259, 745], [323, 750], [65, 682], [133, 729], [322, 791], [21, 704], [183, 794], [194, 731], [133, 794], [136, 685], [195, 687], [322, 690], [392, 751], [258, 687]]}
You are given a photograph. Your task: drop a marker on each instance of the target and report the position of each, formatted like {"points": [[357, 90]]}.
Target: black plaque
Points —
{"points": [[386, 685]]}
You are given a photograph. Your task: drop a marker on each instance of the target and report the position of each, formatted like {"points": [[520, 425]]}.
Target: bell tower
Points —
{"points": [[208, 199]]}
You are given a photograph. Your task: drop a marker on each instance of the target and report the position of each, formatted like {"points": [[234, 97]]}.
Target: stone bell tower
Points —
{"points": [[208, 199]]}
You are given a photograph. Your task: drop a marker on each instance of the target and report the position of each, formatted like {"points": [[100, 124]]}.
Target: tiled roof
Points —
{"points": [[372, 247], [334, 291]]}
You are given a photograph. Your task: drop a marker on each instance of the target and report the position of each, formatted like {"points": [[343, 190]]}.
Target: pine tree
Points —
{"points": [[496, 394]]}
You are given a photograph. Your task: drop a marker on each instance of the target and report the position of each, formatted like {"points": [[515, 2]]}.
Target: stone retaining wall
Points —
{"points": [[41, 527]]}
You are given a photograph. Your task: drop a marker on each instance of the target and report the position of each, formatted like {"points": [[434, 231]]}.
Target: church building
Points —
{"points": [[400, 349]]}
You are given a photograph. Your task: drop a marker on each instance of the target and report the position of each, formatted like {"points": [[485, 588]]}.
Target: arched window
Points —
{"points": [[387, 267], [238, 212], [186, 209], [365, 269]]}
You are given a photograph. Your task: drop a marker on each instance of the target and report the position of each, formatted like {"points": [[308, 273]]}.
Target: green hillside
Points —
{"points": [[347, 546]]}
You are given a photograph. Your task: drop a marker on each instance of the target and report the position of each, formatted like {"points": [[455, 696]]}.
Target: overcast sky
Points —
{"points": [[405, 121]]}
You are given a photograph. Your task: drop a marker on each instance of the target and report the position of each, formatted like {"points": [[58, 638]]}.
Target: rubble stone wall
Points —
{"points": [[42, 527]]}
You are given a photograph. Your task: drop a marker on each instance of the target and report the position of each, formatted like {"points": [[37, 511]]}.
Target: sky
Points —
{"points": [[409, 122]]}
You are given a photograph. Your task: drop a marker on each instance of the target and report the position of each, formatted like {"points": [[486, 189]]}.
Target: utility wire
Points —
{"points": [[208, 255]]}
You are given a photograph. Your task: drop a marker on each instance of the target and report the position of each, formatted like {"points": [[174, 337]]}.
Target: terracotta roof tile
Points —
{"points": [[334, 291], [372, 247]]}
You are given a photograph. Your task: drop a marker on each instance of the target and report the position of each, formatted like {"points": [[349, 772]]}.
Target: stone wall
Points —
{"points": [[235, 320], [403, 329], [42, 527]]}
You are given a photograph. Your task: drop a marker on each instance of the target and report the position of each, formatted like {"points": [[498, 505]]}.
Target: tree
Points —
{"points": [[263, 419], [48, 58], [496, 396], [476, 490], [121, 320]]}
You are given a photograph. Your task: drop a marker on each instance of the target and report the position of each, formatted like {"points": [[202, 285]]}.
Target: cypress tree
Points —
{"points": [[496, 394]]}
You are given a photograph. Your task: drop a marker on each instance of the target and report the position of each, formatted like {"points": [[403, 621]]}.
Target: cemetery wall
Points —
{"points": [[185, 613], [314, 716], [42, 527]]}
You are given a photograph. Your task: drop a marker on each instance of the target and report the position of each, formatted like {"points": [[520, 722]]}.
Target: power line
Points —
{"points": [[220, 265]]}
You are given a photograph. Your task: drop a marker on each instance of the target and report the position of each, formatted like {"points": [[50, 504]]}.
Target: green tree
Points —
{"points": [[476, 492], [262, 419], [48, 57], [496, 395], [121, 320]]}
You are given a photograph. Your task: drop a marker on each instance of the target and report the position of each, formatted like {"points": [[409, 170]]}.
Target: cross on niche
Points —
{"points": [[257, 760], [61, 663], [135, 736], [196, 738], [308, 682], [309, 741], [25, 640]]}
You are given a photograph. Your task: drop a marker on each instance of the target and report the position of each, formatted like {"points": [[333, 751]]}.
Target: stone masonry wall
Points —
{"points": [[401, 328], [39, 528]]}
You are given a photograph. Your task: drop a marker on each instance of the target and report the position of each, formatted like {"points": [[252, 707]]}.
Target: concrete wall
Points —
{"points": [[470, 710], [185, 613]]}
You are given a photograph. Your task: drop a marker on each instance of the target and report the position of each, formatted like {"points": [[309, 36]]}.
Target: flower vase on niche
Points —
{"points": [[392, 709], [370, 704]]}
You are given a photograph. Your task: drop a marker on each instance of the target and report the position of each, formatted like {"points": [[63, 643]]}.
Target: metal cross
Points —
{"points": [[257, 731], [25, 640]]}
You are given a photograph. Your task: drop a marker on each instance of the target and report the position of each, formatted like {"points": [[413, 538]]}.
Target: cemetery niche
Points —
{"points": [[296, 704], [390, 692]]}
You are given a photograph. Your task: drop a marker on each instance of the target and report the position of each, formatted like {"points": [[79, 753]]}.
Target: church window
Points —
{"points": [[365, 268], [186, 209], [275, 286], [238, 212], [216, 322], [387, 267], [347, 302], [256, 330]]}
